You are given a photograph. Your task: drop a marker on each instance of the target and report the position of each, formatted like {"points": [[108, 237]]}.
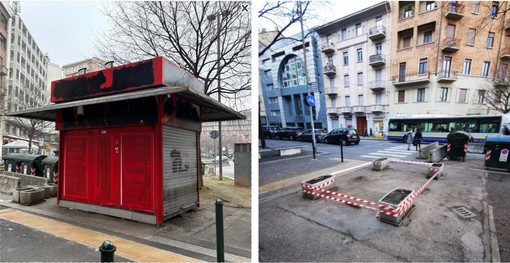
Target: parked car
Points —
{"points": [[306, 136], [269, 131], [342, 136], [290, 133]]}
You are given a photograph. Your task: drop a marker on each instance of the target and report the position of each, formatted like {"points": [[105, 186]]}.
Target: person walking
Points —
{"points": [[409, 138], [371, 134], [418, 138]]}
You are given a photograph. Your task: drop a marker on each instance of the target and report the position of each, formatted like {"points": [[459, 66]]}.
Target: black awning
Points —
{"points": [[211, 110]]}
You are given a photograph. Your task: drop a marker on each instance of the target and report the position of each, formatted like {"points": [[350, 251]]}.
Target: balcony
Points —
{"points": [[447, 76], [377, 85], [454, 11], [376, 60], [331, 110], [377, 108], [505, 53], [328, 48], [331, 91], [450, 45], [377, 32], [344, 110], [330, 70], [411, 79], [358, 109]]}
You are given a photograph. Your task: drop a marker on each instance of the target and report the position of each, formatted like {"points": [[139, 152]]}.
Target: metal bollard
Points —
{"points": [[342, 151], [220, 250], [107, 250]]}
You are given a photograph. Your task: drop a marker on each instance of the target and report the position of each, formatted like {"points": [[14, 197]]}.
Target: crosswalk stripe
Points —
{"points": [[385, 154], [397, 152]]}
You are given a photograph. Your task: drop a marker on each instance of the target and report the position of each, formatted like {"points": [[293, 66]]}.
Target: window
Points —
{"points": [[462, 95], [268, 73], [333, 102], [360, 100], [485, 68], [270, 87], [273, 100], [427, 37], [401, 96], [443, 94], [406, 41], [423, 66], [475, 7], [481, 96], [408, 11], [275, 113], [430, 5], [421, 95], [490, 40], [378, 48], [402, 72], [378, 98], [494, 9], [344, 33], [330, 60], [360, 54], [360, 78], [293, 74], [346, 81], [471, 37], [347, 100], [346, 58], [358, 30], [466, 70], [332, 84]]}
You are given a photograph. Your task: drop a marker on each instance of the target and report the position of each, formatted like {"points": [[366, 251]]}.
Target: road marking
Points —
{"points": [[386, 154], [125, 248], [406, 152]]}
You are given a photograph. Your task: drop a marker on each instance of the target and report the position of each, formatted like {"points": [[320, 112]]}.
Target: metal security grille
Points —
{"points": [[103, 169], [75, 184], [179, 170]]}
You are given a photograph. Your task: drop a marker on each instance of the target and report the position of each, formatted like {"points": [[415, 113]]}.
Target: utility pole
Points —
{"points": [[307, 77]]}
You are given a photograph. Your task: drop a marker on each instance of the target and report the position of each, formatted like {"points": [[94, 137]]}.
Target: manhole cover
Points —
{"points": [[464, 212]]}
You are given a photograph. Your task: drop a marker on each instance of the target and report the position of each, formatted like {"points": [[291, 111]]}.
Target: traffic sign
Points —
{"points": [[214, 134], [310, 100]]}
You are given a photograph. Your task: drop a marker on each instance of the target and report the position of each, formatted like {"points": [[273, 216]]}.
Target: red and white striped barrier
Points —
{"points": [[465, 148], [389, 208], [338, 200], [488, 155], [410, 162], [325, 183], [448, 146], [407, 202]]}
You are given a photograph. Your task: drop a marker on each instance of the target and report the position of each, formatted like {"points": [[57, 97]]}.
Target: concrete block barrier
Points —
{"points": [[438, 154], [380, 164], [53, 189], [30, 197], [424, 152], [8, 184], [326, 182], [26, 180], [16, 195]]}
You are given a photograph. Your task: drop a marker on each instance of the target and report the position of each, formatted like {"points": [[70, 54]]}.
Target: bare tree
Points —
{"points": [[32, 128], [497, 96], [185, 33]]}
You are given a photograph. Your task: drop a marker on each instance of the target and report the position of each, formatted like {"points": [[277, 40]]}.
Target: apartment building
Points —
{"points": [[265, 38], [27, 74], [445, 55], [5, 16], [356, 56], [232, 132], [284, 87], [83, 66]]}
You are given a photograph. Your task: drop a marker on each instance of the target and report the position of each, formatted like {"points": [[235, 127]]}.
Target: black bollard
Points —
{"points": [[107, 250], [220, 250], [342, 151]]}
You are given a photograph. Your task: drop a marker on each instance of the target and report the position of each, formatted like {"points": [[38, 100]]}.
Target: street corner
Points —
{"points": [[446, 213]]}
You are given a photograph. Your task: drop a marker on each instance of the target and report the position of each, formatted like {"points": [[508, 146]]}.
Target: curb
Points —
{"points": [[494, 238]]}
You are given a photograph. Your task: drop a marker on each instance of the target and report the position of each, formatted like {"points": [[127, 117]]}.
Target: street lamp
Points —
{"points": [[213, 17]]}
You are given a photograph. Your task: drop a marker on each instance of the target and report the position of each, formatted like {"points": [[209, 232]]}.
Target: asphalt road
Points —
{"points": [[498, 190]]}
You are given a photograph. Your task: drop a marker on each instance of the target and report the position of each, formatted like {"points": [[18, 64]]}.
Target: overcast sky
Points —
{"points": [[64, 29]]}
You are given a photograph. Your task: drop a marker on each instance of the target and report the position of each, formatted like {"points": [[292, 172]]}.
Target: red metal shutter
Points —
{"points": [[75, 183]]}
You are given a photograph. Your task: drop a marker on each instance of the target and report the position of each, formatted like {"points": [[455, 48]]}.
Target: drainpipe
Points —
{"points": [[500, 41], [439, 37]]}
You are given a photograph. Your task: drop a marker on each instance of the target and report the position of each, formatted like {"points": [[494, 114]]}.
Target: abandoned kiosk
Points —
{"points": [[129, 139]]}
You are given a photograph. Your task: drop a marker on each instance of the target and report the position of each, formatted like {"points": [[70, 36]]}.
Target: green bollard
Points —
{"points": [[220, 249], [107, 250]]}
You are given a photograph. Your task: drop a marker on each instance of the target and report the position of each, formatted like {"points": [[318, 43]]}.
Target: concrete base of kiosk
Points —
{"points": [[121, 213]]}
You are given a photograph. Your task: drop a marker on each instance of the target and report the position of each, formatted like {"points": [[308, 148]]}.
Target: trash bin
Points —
{"points": [[31, 164], [497, 149], [11, 161], [50, 166], [457, 145]]}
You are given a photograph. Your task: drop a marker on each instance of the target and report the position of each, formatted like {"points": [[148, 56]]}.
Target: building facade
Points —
{"points": [[86, 65], [445, 55], [27, 77], [355, 54], [5, 17], [284, 84]]}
